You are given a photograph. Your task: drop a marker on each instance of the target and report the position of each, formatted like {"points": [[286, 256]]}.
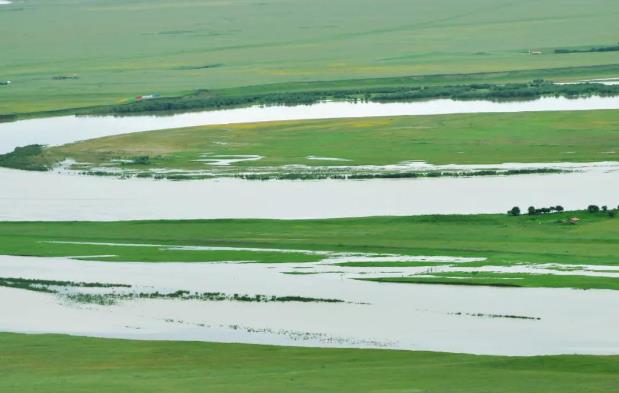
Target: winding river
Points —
{"points": [[62, 196], [67, 129]]}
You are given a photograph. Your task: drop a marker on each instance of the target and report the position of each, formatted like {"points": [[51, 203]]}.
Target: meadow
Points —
{"points": [[517, 280], [532, 137], [115, 50], [54, 363], [502, 239]]}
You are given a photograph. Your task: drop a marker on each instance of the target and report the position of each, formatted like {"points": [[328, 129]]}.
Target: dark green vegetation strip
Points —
{"points": [[44, 285], [65, 364], [611, 48], [508, 280], [480, 91], [52, 286], [491, 138], [500, 238], [112, 298], [396, 264]]}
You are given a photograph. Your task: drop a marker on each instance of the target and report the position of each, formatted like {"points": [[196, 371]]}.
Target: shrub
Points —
{"points": [[142, 160], [593, 208]]}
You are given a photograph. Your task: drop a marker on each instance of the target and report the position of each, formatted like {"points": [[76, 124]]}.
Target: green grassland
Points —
{"points": [[519, 280], [502, 239], [534, 137], [115, 50], [53, 363]]}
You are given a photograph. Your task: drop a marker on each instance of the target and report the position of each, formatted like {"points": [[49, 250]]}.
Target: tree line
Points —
{"points": [[611, 48], [533, 211]]}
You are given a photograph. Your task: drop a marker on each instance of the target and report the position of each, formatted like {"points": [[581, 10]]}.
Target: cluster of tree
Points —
{"points": [[487, 91], [604, 209], [532, 211], [611, 48], [27, 157]]}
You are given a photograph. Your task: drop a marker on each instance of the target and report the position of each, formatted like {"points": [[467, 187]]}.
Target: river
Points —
{"points": [[57, 197], [67, 129]]}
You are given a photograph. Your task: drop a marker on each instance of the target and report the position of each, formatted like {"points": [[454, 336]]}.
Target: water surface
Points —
{"points": [[58, 197], [396, 316]]}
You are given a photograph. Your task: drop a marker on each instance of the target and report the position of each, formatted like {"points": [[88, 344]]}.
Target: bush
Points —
{"points": [[142, 160], [515, 211]]}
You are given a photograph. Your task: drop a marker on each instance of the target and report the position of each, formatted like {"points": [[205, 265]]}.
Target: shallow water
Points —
{"points": [[66, 129], [60, 197], [397, 316], [218, 167], [603, 81]]}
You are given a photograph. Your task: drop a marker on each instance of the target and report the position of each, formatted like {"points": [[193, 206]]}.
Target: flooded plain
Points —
{"points": [[480, 320], [66, 129], [398, 316], [45, 196]]}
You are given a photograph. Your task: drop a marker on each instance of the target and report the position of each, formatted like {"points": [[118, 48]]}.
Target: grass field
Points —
{"points": [[586, 136], [521, 280], [115, 50], [500, 238], [66, 364]]}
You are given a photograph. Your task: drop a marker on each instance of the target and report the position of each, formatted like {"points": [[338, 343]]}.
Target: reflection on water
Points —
{"points": [[420, 317], [66, 129]]}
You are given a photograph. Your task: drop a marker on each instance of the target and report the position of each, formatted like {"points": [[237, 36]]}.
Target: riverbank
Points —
{"points": [[381, 90]]}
